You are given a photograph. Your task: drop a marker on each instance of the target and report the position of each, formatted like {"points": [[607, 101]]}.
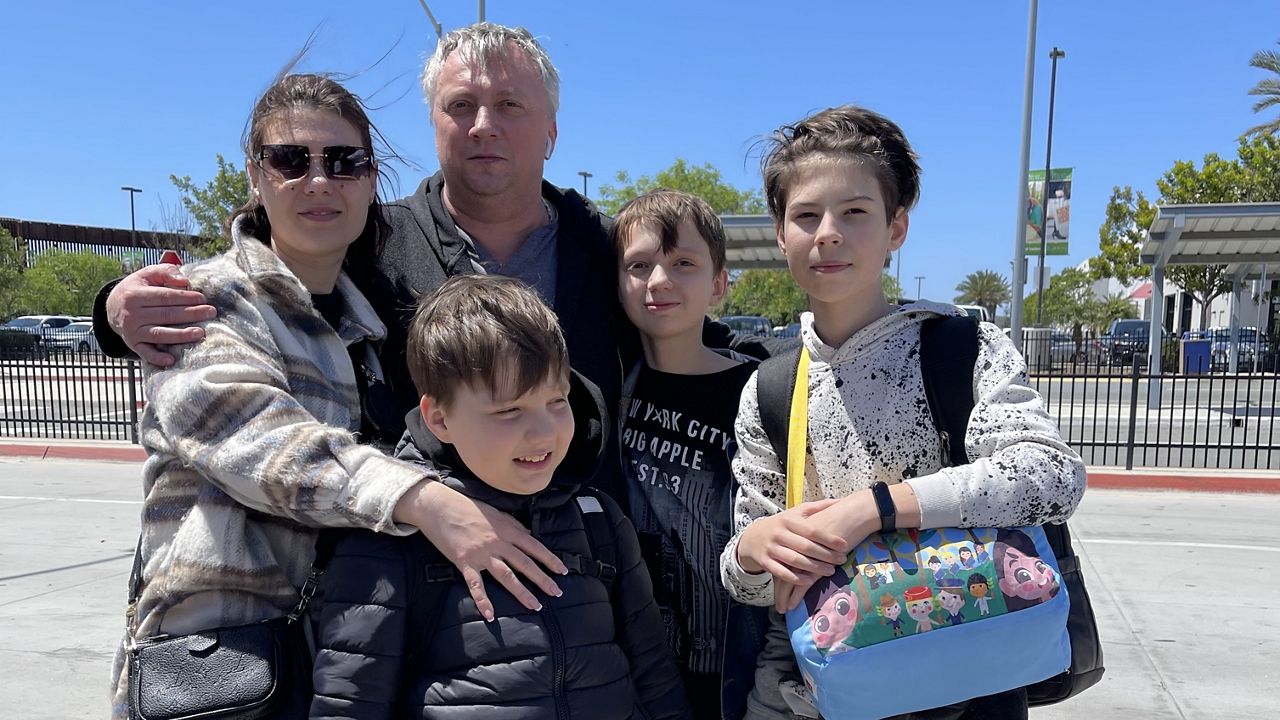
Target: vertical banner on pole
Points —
{"points": [[1057, 222]]}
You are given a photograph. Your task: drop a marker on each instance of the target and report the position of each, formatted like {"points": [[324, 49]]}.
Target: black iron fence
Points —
{"points": [[1114, 413], [68, 394]]}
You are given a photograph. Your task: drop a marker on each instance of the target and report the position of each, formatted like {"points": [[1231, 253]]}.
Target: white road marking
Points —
{"points": [[77, 500], [1197, 546]]}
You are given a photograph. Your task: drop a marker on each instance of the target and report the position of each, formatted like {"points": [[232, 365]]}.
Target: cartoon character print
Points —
{"points": [[920, 607], [872, 576], [891, 611], [833, 613], [979, 588], [1024, 579], [980, 553], [967, 559], [952, 599]]}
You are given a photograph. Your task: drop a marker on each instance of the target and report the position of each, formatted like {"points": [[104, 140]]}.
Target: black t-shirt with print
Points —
{"points": [[677, 441]]}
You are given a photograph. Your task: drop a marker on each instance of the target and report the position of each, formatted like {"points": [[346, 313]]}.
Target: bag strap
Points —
{"points": [[775, 379], [948, 353], [603, 562], [783, 382], [325, 544]]}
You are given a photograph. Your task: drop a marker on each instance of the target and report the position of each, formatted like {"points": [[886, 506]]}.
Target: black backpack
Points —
{"points": [[948, 352]]}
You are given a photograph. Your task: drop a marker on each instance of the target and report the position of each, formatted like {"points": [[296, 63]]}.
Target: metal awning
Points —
{"points": [[752, 243], [1242, 236]]}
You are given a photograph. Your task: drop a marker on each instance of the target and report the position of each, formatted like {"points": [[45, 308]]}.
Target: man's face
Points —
{"points": [[493, 127]]}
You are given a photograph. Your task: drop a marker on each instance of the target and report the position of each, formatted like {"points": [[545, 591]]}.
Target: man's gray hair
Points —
{"points": [[482, 43]]}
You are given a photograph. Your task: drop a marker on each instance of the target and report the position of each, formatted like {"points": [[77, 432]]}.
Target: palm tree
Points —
{"points": [[984, 287], [1268, 89]]}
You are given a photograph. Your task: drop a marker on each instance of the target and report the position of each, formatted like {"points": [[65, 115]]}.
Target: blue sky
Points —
{"points": [[100, 95]]}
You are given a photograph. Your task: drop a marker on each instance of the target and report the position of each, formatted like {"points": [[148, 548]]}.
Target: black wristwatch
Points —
{"points": [[884, 505]]}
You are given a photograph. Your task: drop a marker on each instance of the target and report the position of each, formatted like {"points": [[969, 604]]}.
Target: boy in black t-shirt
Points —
{"points": [[676, 433]]}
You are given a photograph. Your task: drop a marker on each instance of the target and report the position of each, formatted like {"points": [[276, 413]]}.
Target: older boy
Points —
{"points": [[508, 424], [677, 438]]}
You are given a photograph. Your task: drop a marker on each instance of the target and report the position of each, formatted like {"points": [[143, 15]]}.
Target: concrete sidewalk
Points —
{"points": [[1185, 586]]}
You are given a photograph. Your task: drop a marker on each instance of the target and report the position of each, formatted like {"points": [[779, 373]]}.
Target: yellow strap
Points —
{"points": [[797, 432]]}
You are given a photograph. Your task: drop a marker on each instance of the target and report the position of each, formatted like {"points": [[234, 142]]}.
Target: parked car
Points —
{"points": [[976, 311], [41, 325], [1251, 348], [1063, 351], [749, 324], [787, 331], [77, 337], [1125, 339]]}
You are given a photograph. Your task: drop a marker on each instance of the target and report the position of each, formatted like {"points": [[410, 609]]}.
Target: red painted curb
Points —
{"points": [[1192, 483], [74, 452]]}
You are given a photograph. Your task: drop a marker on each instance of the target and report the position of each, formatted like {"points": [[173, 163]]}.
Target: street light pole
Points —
{"points": [[133, 226], [584, 175], [1054, 54], [919, 283]]}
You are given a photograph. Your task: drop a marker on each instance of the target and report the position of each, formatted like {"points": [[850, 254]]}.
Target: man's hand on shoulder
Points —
{"points": [[153, 307]]}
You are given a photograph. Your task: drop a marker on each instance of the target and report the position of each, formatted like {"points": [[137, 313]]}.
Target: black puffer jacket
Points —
{"points": [[384, 652]]}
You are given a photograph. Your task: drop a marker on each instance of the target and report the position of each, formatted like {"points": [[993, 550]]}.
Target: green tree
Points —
{"points": [[892, 289], [1120, 238], [701, 180], [11, 267], [1254, 176], [771, 293], [1268, 89], [65, 283], [986, 288], [1067, 299], [212, 204]]}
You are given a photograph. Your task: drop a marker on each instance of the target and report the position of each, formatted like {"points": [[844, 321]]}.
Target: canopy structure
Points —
{"points": [[752, 243], [1243, 236]]}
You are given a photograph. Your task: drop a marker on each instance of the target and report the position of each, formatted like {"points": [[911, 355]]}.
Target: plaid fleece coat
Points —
{"points": [[250, 448]]}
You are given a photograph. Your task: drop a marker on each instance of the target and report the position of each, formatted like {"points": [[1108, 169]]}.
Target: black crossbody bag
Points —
{"points": [[244, 672]]}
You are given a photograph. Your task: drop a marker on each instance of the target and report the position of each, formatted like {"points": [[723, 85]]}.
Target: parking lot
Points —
{"points": [[1185, 587]]}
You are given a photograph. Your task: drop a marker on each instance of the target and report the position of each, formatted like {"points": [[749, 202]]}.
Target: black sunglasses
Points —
{"points": [[340, 162]]}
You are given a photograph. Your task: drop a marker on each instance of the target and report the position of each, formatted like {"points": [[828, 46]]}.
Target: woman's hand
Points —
{"points": [[475, 537]]}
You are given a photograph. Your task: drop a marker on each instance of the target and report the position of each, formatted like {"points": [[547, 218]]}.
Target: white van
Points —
{"points": [[976, 311]]}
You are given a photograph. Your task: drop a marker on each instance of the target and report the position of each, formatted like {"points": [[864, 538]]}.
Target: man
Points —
{"points": [[493, 95]]}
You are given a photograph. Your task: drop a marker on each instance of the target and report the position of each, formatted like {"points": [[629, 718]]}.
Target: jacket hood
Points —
{"points": [[581, 461], [868, 339]]}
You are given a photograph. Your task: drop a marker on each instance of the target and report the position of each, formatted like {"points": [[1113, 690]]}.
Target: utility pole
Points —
{"points": [[919, 284], [1044, 201], [1024, 163], [133, 227], [584, 175]]}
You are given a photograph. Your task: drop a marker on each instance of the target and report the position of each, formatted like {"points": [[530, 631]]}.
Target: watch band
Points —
{"points": [[884, 505]]}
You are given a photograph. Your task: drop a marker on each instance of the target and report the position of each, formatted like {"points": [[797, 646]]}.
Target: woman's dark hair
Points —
{"points": [[308, 91]]}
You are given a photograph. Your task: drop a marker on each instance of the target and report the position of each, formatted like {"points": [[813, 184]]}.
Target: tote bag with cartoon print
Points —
{"points": [[918, 619]]}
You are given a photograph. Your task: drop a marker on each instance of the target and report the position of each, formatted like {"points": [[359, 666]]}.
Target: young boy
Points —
{"points": [[502, 414], [676, 436], [840, 185]]}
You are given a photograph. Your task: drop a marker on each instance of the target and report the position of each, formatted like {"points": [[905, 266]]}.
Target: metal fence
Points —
{"points": [[69, 395], [1193, 413], [1113, 413]]}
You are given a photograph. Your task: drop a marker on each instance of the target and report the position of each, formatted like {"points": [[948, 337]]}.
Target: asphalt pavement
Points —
{"points": [[1185, 586]]}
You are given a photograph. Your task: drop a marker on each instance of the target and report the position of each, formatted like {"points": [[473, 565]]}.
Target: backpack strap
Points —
{"points": [[948, 353], [775, 380], [596, 522]]}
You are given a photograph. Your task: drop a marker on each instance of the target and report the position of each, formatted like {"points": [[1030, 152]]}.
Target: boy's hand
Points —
{"points": [[475, 538], [853, 518], [152, 307], [791, 548]]}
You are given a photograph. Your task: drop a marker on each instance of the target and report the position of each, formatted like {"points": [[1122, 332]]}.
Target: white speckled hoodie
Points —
{"points": [[869, 421]]}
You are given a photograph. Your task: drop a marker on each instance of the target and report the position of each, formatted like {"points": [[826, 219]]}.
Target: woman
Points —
{"points": [[249, 434]]}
